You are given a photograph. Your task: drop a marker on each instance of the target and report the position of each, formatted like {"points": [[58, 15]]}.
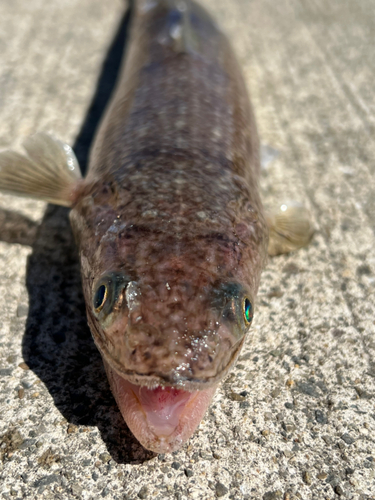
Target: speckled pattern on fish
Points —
{"points": [[168, 220]]}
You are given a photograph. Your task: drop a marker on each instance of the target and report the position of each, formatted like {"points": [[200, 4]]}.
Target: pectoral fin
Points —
{"points": [[49, 170], [290, 228]]}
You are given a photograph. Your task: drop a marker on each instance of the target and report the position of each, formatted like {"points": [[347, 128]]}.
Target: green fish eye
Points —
{"points": [[247, 311], [100, 298]]}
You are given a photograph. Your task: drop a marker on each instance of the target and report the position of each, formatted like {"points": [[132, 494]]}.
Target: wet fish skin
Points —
{"points": [[171, 204], [169, 221]]}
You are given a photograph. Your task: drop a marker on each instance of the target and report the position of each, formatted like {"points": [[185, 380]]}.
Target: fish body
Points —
{"points": [[170, 212], [168, 221]]}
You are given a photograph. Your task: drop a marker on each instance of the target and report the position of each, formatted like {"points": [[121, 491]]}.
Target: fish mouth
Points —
{"points": [[162, 418]]}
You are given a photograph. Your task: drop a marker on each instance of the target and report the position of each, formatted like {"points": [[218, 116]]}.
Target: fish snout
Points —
{"points": [[178, 358]]}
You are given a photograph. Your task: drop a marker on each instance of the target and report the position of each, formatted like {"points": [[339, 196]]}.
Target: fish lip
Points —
{"points": [[153, 380], [164, 430]]}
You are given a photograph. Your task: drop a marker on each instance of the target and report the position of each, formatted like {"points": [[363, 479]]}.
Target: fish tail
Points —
{"points": [[49, 170]]}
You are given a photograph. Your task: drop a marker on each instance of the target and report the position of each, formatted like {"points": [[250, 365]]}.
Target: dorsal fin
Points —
{"points": [[49, 171]]}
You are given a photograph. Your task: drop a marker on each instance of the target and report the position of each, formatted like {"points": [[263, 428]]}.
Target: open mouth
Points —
{"points": [[163, 418]]}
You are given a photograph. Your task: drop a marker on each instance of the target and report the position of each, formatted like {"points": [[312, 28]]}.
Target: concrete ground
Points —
{"points": [[296, 417]]}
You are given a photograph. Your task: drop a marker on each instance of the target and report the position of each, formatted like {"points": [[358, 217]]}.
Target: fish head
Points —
{"points": [[170, 332], [169, 318]]}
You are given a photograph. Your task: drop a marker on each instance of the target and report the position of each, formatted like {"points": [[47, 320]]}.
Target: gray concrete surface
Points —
{"points": [[296, 418]]}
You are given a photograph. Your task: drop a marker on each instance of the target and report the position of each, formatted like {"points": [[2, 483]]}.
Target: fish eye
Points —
{"points": [[247, 311], [100, 298], [107, 294]]}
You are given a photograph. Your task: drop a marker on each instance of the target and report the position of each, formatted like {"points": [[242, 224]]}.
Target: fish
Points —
{"points": [[169, 222]]}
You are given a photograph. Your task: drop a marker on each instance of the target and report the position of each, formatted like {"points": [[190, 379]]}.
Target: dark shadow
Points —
{"points": [[57, 344], [104, 89], [16, 228]]}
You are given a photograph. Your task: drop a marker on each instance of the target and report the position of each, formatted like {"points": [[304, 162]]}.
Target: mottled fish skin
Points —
{"points": [[169, 218], [169, 222]]}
